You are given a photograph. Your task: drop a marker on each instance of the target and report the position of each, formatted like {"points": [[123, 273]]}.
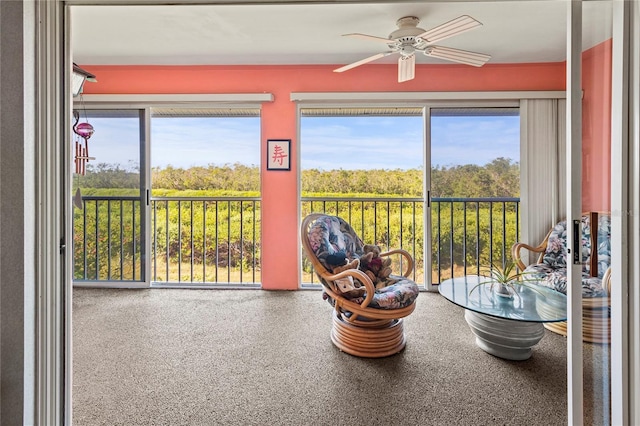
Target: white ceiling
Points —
{"points": [[295, 34]]}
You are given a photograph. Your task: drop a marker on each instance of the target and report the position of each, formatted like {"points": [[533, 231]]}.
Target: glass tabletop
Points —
{"points": [[531, 303]]}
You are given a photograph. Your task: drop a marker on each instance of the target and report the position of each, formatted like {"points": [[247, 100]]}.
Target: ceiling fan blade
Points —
{"points": [[449, 29], [363, 61], [368, 37], [457, 55], [406, 68]]}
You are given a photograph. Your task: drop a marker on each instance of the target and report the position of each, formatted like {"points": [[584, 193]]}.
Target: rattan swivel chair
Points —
{"points": [[370, 324]]}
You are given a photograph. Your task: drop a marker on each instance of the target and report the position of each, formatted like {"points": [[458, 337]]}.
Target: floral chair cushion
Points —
{"points": [[402, 292], [556, 279], [331, 234]]}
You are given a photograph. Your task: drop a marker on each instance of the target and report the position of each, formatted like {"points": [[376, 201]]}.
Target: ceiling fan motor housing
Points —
{"points": [[404, 38]]}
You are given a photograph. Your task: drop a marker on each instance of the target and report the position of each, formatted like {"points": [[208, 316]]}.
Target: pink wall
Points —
{"points": [[596, 128], [280, 234], [286, 79]]}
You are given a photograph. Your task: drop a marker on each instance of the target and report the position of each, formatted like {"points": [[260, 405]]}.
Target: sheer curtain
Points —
{"points": [[542, 160]]}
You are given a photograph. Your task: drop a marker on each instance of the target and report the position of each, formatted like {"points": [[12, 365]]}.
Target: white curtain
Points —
{"points": [[542, 157]]}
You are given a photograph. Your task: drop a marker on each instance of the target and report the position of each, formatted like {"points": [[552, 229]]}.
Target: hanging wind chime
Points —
{"points": [[83, 131]]}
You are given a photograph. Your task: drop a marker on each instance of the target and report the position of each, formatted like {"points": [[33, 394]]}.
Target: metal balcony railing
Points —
{"points": [[107, 239], [216, 240], [471, 234], [205, 240], [467, 234]]}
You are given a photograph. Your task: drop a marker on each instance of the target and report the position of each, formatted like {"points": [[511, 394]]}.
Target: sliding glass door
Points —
{"points": [[474, 188], [201, 202], [365, 164], [108, 204], [205, 197], [596, 192]]}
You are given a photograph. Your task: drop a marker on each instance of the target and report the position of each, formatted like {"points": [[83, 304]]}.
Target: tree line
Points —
{"points": [[498, 178]]}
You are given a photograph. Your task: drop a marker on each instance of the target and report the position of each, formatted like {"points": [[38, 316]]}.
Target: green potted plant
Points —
{"points": [[503, 279]]}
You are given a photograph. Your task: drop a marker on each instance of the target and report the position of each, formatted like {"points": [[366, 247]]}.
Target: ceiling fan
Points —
{"points": [[409, 39]]}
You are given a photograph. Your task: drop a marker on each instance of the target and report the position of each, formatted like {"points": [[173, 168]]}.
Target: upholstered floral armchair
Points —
{"points": [[367, 315], [550, 270]]}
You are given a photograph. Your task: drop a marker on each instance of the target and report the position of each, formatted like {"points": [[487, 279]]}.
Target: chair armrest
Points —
{"points": [[406, 255], [515, 252], [360, 276]]}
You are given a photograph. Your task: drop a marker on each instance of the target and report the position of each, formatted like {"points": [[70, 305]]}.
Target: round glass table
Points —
{"points": [[506, 326]]}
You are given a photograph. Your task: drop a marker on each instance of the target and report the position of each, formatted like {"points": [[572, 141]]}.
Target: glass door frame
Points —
{"points": [[145, 104], [145, 179], [625, 226], [346, 101], [509, 101]]}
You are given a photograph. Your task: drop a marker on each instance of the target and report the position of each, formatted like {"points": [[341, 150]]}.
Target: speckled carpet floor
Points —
{"points": [[253, 357]]}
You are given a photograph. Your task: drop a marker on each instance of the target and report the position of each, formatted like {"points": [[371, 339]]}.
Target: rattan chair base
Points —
{"points": [[595, 326], [368, 339]]}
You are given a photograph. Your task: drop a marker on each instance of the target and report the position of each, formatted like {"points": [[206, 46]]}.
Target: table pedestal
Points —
{"points": [[504, 338]]}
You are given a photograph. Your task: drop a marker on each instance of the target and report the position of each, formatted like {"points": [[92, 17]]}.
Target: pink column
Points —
{"points": [[596, 128], [279, 199]]}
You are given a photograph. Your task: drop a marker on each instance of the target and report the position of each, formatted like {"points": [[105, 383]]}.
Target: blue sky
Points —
{"points": [[327, 142], [184, 142], [397, 142], [361, 142], [474, 140]]}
